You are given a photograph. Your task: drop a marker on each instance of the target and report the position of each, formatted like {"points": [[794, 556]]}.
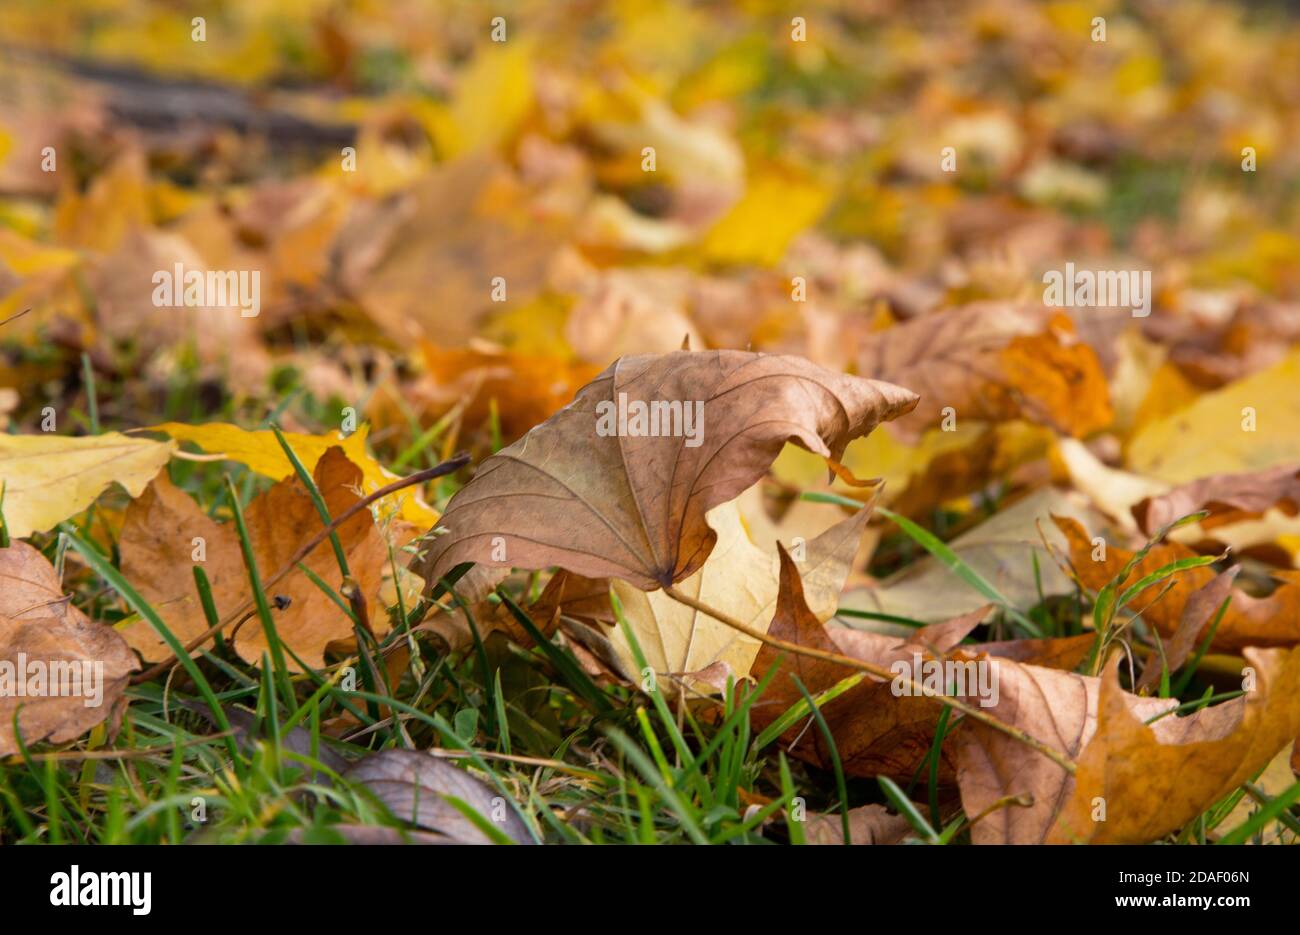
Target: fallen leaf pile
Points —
{"points": [[498, 384]]}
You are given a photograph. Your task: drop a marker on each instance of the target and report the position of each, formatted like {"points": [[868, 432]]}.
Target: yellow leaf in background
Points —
{"points": [[24, 217], [1069, 16], [28, 258], [1138, 73], [390, 166], [1138, 361], [535, 326], [1292, 545], [1249, 425], [1113, 491], [1267, 259], [734, 71], [152, 37], [775, 209], [170, 201], [880, 454], [260, 451], [741, 579], [610, 222], [48, 477], [117, 201], [1168, 392], [492, 97]]}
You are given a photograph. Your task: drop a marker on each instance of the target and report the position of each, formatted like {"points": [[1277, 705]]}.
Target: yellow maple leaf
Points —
{"points": [[492, 97], [48, 477], [261, 452], [774, 210], [1246, 426]]}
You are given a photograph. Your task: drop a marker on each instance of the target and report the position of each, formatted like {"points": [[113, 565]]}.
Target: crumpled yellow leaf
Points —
{"points": [[260, 451], [49, 477], [741, 580], [1115, 492]]}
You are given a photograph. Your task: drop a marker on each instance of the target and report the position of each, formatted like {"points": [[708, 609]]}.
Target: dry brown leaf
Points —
{"points": [[60, 672], [423, 263], [619, 312], [1059, 709], [123, 283], [1250, 621], [158, 548], [868, 824], [1212, 354], [415, 786], [876, 732], [880, 730], [1058, 652], [1228, 497], [1155, 778], [633, 507], [993, 361], [527, 388]]}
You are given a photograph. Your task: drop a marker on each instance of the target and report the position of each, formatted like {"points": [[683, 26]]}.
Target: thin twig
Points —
{"points": [[438, 470], [879, 671], [15, 316]]}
